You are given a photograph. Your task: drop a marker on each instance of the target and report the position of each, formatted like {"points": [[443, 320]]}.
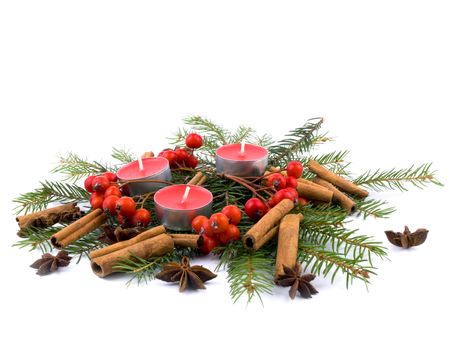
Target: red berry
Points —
{"points": [[142, 218], [291, 182], [88, 183], [232, 233], [100, 184], [170, 156], [191, 162], [294, 193], [111, 176], [219, 222], [233, 213], [283, 194], [96, 200], [255, 209], [207, 230], [181, 154], [193, 141], [271, 203], [110, 203], [277, 181], [302, 201], [126, 206], [113, 191], [295, 169], [197, 223], [208, 244]]}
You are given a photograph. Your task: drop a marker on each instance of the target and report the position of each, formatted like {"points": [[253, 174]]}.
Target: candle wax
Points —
{"points": [[152, 166], [171, 197], [233, 152]]}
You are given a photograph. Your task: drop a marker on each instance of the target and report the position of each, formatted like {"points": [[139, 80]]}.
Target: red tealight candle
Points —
{"points": [[145, 169], [241, 160], [178, 205]]}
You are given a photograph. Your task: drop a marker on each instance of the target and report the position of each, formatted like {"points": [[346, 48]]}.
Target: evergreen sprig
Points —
{"points": [[250, 274], [374, 208], [297, 142], [123, 155], [73, 167], [84, 245], [37, 238], [392, 179], [324, 262], [49, 192]]}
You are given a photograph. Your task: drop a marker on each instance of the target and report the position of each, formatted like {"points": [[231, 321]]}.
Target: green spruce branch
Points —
{"points": [[392, 179], [49, 192], [38, 238], [343, 241], [297, 142], [84, 245], [123, 155], [324, 262], [250, 274], [73, 167], [374, 208]]}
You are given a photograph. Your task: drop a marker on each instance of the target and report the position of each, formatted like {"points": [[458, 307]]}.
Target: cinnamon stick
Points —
{"points": [[147, 155], [186, 240], [308, 189], [266, 223], [287, 243], [338, 197], [152, 232], [155, 246], [45, 218], [265, 238], [337, 180], [78, 229], [198, 180]]}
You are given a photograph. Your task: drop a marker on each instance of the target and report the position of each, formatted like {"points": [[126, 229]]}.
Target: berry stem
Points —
{"points": [[245, 184]]}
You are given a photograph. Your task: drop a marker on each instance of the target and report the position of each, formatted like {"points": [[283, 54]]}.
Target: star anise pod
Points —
{"points": [[108, 235], [186, 275], [297, 282], [407, 239], [49, 263]]}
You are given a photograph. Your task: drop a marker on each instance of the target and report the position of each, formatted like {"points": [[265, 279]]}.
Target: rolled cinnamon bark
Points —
{"points": [[195, 179], [78, 229], [337, 180], [45, 218], [266, 223], [338, 197], [287, 243], [155, 246], [186, 240], [152, 232], [265, 238], [307, 189], [148, 154], [198, 180]]}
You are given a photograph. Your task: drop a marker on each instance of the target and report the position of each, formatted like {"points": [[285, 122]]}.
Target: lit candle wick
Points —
{"points": [[242, 148], [185, 195], [140, 162]]}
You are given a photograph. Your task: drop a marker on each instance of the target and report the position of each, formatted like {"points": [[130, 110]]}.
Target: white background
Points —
{"points": [[390, 79]]}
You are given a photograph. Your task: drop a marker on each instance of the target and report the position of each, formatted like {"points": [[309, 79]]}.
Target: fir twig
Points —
{"points": [[379, 180], [37, 238], [250, 274], [85, 244], [374, 208], [324, 262], [296, 142], [50, 191], [122, 155], [73, 167]]}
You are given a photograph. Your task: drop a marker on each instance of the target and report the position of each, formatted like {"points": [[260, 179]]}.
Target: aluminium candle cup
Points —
{"points": [[230, 161], [153, 169], [177, 216]]}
